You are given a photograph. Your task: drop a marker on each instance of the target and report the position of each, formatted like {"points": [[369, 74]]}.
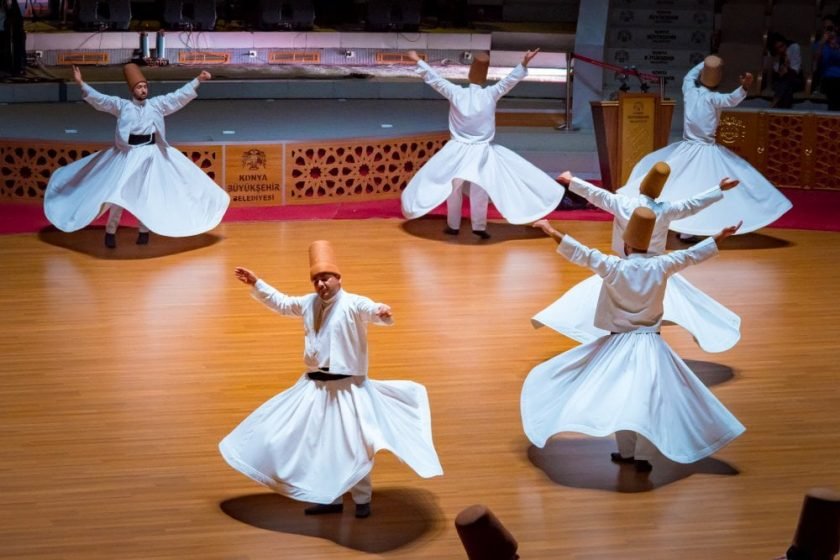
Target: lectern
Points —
{"points": [[626, 130]]}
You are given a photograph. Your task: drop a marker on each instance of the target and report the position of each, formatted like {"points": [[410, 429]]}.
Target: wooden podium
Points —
{"points": [[628, 129]]}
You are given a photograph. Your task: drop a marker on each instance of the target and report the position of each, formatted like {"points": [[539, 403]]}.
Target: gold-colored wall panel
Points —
{"points": [[356, 169], [792, 149]]}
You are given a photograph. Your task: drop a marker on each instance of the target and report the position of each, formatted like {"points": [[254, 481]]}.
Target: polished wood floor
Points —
{"points": [[120, 372]]}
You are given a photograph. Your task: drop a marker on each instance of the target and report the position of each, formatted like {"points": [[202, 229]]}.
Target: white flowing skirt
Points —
{"points": [[714, 327], [316, 440], [696, 167], [158, 184], [631, 381], [521, 192]]}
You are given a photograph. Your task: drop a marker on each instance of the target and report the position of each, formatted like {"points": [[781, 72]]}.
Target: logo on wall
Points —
{"points": [[626, 16], [638, 108], [621, 56], [254, 159], [699, 38], [701, 18], [625, 36]]}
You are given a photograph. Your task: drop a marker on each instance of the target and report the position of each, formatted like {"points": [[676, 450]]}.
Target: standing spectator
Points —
{"points": [[827, 55], [787, 70]]}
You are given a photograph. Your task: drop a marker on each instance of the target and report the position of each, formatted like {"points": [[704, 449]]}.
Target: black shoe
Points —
{"points": [[482, 234], [321, 509], [617, 458], [363, 510], [450, 231], [642, 465], [111, 240], [143, 238]]}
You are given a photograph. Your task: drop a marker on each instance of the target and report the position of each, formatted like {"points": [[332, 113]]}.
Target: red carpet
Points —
{"points": [[814, 210]]}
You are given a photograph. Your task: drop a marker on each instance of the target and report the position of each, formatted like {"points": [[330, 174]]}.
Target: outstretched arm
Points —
{"points": [[692, 76], [690, 206], [99, 101], [601, 198], [376, 313], [706, 249], [724, 100], [268, 296], [179, 98], [503, 86], [438, 83]]}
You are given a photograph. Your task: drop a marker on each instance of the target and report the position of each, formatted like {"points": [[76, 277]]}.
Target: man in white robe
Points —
{"points": [[520, 191], [629, 382], [316, 441], [167, 192], [714, 327], [698, 160]]}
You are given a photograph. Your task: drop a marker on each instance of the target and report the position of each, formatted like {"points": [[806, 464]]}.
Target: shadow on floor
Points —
{"points": [[400, 517], [90, 242], [585, 463], [710, 373], [431, 227], [747, 241]]}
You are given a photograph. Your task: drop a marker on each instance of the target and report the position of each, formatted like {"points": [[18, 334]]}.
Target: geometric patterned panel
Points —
{"points": [[208, 158], [785, 149], [826, 153], [356, 169], [26, 167]]}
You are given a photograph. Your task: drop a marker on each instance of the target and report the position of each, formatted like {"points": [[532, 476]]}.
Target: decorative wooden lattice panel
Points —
{"points": [[784, 149], [396, 58], [208, 158], [294, 57], [826, 153], [356, 170], [790, 149], [83, 58], [26, 167], [203, 57]]}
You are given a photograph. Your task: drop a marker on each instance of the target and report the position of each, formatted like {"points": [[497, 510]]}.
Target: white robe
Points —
{"points": [[158, 184], [520, 191], [714, 327], [316, 440], [699, 160], [631, 380]]}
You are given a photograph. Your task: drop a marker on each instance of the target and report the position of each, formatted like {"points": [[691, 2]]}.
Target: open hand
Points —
{"points": [[565, 178], [245, 276], [529, 56], [746, 80], [77, 75], [726, 183], [413, 56], [727, 232]]}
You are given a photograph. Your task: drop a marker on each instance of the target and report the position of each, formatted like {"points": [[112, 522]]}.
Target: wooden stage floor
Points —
{"points": [[120, 373]]}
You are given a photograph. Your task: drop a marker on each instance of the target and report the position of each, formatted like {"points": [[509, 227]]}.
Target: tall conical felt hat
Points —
{"points": [[478, 68], [640, 228], [322, 259], [712, 72], [654, 181], [133, 75], [483, 535], [818, 531]]}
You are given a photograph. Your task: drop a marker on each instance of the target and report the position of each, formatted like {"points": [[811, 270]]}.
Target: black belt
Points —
{"points": [[322, 375], [141, 139]]}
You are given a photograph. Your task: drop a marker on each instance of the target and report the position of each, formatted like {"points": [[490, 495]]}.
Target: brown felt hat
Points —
{"points": [[640, 228], [655, 180], [478, 68], [483, 535], [133, 75], [818, 531], [322, 259], [712, 72]]}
